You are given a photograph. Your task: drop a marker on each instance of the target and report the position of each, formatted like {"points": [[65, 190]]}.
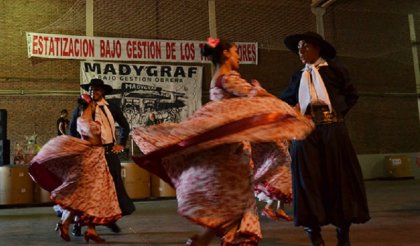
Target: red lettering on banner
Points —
{"points": [[133, 49], [34, 45], [138, 49], [40, 49], [128, 49], [56, 46], [84, 48], [137, 53], [71, 47], [144, 49], [76, 47], [102, 48], [57, 42], [254, 52], [41, 39], [146, 52], [51, 50], [64, 48], [241, 53], [187, 51], [247, 52], [170, 50], [118, 49], [88, 48], [109, 50]]}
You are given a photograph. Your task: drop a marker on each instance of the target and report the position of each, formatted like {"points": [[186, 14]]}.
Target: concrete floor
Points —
{"points": [[394, 206]]}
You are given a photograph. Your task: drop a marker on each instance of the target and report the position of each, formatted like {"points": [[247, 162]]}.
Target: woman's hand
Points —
{"points": [[255, 83], [297, 107]]}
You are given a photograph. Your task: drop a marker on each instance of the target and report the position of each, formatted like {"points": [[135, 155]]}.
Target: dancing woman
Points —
{"points": [[205, 159], [270, 160], [75, 172]]}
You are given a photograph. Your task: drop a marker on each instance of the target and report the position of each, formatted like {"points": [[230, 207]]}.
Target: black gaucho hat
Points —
{"points": [[98, 83], [326, 49]]}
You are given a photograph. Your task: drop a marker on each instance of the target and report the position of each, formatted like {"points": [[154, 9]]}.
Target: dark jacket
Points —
{"points": [[118, 116], [342, 93]]}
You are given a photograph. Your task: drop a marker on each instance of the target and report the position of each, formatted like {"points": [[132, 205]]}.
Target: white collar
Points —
{"points": [[102, 102], [318, 63]]}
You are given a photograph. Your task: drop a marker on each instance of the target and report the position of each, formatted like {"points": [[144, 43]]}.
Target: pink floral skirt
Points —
{"points": [[272, 174], [204, 158], [82, 181]]}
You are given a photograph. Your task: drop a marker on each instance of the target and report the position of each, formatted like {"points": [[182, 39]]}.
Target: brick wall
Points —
{"points": [[371, 38]]}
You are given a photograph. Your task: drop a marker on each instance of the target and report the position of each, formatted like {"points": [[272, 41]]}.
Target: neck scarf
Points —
{"points": [[312, 87], [107, 122]]}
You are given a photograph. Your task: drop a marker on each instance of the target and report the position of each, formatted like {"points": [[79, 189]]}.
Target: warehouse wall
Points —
{"points": [[371, 37]]}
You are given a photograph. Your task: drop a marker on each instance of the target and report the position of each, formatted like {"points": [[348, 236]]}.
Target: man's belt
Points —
{"points": [[320, 114], [108, 148]]}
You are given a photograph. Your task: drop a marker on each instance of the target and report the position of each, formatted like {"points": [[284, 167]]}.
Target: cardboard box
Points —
{"points": [[16, 187], [136, 180], [161, 189], [398, 166]]}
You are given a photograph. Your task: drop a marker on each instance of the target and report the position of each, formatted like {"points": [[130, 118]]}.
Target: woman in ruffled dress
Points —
{"points": [[205, 157], [270, 160], [77, 175]]}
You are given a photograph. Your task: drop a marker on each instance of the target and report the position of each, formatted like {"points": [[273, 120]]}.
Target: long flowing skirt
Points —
{"points": [[328, 184], [272, 174], [83, 183], [205, 160]]}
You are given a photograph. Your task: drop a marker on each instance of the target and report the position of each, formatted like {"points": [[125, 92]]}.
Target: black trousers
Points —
{"points": [[114, 164]]}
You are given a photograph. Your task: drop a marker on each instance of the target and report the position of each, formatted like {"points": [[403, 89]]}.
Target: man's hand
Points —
{"points": [[117, 149]]}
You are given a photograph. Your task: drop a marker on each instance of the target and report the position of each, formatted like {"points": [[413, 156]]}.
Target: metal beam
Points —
{"points": [[415, 53], [212, 18], [212, 23], [319, 15], [318, 8], [89, 17], [321, 3], [23, 92]]}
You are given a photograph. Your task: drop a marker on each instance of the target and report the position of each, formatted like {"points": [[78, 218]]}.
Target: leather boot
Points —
{"points": [[314, 234], [343, 238]]}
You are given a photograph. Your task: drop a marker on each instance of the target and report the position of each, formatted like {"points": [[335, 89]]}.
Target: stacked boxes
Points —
{"points": [[161, 189], [16, 187], [398, 166], [136, 181]]}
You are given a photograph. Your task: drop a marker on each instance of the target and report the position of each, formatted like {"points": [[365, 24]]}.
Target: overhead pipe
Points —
{"points": [[21, 92], [321, 3], [318, 8]]}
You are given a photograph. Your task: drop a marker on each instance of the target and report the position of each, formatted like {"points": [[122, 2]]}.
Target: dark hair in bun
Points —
{"points": [[216, 53], [83, 101]]}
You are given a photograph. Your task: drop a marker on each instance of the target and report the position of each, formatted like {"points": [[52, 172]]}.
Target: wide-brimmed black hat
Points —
{"points": [[326, 49], [98, 83]]}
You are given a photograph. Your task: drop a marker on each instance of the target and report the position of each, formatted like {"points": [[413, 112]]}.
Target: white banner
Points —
{"points": [[58, 46], [171, 93]]}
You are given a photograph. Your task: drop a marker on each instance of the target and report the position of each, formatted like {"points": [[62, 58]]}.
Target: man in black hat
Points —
{"points": [[328, 185], [107, 114]]}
